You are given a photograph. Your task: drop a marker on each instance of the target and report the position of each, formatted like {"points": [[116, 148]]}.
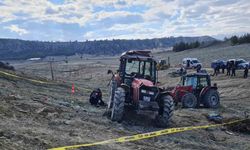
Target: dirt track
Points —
{"points": [[40, 116]]}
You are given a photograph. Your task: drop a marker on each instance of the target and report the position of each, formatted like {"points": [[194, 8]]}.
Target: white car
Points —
{"points": [[189, 63], [240, 63]]}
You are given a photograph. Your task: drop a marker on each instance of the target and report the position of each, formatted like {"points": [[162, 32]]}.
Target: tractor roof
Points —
{"points": [[196, 74], [140, 55]]}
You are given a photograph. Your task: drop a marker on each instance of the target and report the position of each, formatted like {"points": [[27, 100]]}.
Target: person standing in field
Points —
{"points": [[233, 69], [228, 66], [246, 72], [223, 69], [216, 70]]}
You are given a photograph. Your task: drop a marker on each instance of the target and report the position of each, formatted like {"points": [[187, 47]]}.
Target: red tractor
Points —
{"points": [[135, 84], [195, 89]]}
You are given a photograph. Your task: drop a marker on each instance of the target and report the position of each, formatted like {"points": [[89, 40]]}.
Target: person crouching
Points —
{"points": [[95, 98]]}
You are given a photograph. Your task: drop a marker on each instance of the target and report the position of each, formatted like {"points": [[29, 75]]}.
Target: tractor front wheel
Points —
{"points": [[165, 111], [212, 99], [189, 100], [113, 86], [118, 105]]}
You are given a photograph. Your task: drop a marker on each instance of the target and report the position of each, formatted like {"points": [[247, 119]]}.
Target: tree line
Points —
{"points": [[22, 49], [240, 39], [184, 46]]}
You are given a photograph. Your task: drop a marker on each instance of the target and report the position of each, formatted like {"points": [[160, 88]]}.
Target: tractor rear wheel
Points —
{"points": [[118, 105], [189, 100], [212, 99], [165, 111]]}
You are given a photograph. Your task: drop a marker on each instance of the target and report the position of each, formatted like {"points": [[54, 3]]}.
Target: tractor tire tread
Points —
{"points": [[187, 97], [118, 105], [168, 108], [207, 96]]}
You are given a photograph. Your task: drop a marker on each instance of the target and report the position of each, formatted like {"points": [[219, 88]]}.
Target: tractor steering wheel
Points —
{"points": [[136, 75], [148, 77]]}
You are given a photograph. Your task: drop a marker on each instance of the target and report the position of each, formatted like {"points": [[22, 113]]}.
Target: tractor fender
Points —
{"points": [[164, 93], [178, 93], [117, 78], [125, 87], [205, 89], [214, 87]]}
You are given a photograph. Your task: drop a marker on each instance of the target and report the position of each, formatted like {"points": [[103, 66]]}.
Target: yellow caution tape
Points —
{"points": [[37, 81], [15, 76], [145, 135]]}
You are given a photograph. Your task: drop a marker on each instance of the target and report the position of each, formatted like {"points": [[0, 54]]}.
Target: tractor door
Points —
{"points": [[190, 81], [203, 84], [193, 81]]}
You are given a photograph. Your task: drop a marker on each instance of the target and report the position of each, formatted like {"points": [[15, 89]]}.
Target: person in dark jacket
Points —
{"points": [[246, 72], [216, 70], [198, 68], [233, 69], [228, 66], [223, 67], [95, 98]]}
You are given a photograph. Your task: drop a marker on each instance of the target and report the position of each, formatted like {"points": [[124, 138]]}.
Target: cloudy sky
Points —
{"points": [[63, 20]]}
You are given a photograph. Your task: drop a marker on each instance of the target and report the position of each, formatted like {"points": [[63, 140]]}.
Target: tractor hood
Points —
{"points": [[139, 82]]}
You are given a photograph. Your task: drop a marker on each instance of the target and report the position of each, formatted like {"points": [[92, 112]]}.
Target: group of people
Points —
{"points": [[231, 69]]}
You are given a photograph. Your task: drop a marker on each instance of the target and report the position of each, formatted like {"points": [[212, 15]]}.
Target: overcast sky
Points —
{"points": [[63, 20]]}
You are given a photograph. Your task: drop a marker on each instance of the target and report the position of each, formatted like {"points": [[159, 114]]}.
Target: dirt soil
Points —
{"points": [[42, 116]]}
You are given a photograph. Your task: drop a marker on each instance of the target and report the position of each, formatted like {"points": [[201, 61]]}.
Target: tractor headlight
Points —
{"points": [[151, 93], [147, 92]]}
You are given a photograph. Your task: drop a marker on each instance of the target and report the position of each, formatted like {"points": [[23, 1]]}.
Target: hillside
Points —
{"points": [[42, 116], [21, 49], [221, 50]]}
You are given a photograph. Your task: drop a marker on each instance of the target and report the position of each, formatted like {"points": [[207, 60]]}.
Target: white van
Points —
{"points": [[190, 63]]}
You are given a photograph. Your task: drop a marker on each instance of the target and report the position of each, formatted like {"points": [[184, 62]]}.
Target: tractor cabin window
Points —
{"points": [[132, 67], [203, 82], [148, 69], [141, 68], [190, 81]]}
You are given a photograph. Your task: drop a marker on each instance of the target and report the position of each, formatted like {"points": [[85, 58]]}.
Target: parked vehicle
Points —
{"points": [[219, 63], [241, 63], [162, 65], [191, 63], [195, 89]]}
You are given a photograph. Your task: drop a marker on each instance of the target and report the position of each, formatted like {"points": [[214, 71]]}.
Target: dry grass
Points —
{"points": [[39, 117]]}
